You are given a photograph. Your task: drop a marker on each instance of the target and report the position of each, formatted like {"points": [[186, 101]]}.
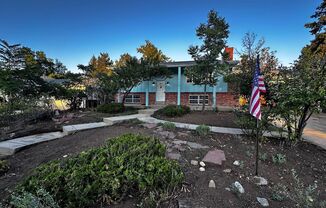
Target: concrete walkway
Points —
{"points": [[9, 147], [315, 131]]}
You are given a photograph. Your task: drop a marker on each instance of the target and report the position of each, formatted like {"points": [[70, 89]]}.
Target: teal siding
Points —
{"points": [[172, 85]]}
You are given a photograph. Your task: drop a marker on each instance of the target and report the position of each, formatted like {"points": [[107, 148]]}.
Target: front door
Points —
{"points": [[160, 91]]}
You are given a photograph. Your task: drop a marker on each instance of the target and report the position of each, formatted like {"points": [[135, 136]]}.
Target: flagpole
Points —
{"points": [[257, 147]]}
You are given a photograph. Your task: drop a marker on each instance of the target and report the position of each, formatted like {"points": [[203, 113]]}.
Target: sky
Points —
{"points": [[74, 30]]}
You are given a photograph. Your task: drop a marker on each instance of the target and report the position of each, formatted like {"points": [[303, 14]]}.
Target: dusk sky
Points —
{"points": [[74, 30]]}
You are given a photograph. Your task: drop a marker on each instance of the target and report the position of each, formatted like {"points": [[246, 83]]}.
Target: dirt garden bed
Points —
{"points": [[21, 129], [308, 160], [211, 118]]}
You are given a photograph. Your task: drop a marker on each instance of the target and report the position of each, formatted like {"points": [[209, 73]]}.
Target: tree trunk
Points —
{"points": [[204, 98], [302, 123]]}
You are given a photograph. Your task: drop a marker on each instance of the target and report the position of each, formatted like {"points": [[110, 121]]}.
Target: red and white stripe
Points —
{"points": [[255, 103], [261, 83]]}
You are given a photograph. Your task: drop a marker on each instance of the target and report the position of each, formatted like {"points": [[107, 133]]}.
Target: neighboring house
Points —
{"points": [[180, 90]]}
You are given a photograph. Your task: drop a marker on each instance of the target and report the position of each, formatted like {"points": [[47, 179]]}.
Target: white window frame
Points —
{"points": [[189, 80], [197, 99], [132, 98]]}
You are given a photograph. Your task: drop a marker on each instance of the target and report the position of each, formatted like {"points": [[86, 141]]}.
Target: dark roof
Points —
{"points": [[186, 63], [179, 63]]}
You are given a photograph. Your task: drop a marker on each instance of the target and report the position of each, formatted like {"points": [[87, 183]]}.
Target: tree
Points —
{"points": [[98, 73], [129, 75], [21, 71], [300, 91], [101, 64], [318, 29], [208, 66], [151, 54], [124, 58], [242, 74]]}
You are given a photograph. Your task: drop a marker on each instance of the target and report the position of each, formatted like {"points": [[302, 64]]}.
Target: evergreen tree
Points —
{"points": [[210, 57]]}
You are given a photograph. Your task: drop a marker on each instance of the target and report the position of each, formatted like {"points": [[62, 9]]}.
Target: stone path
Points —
{"points": [[314, 133], [79, 127]]}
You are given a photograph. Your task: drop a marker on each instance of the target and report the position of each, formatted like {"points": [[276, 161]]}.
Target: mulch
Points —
{"points": [[221, 119], [307, 159]]}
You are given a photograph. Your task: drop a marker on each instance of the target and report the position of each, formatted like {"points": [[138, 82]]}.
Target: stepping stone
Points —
{"points": [[215, 156], [183, 134], [178, 142], [149, 125], [196, 145], [167, 134], [173, 156]]}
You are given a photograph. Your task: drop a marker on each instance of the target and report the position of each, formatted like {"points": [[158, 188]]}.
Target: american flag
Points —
{"points": [[257, 87]]}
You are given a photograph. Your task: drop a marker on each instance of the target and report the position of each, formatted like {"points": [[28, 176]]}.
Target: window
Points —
{"points": [[197, 99], [189, 80], [132, 98]]}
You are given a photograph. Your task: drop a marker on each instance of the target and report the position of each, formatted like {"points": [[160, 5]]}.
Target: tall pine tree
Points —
{"points": [[210, 57]]}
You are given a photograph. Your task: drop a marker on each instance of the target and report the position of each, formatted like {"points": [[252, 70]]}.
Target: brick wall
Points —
{"points": [[226, 99], [152, 98], [222, 98], [170, 98]]}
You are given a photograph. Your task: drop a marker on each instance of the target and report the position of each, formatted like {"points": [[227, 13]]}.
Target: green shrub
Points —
{"points": [[42, 199], [263, 156], [202, 130], [168, 126], [279, 158], [4, 167], [111, 108], [301, 195], [173, 110], [126, 165]]}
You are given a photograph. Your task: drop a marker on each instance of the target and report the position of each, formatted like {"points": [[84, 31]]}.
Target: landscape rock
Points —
{"points": [[260, 181], [194, 162], [167, 134], [236, 163], [215, 156], [228, 170], [228, 189], [179, 142], [211, 184], [149, 125], [201, 169], [173, 156], [183, 134], [196, 145], [179, 147], [263, 201], [239, 187], [202, 164]]}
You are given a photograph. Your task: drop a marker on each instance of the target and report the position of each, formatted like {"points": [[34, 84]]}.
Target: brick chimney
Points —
{"points": [[229, 50]]}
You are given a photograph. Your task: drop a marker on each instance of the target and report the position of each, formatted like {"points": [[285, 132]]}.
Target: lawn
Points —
{"points": [[307, 159]]}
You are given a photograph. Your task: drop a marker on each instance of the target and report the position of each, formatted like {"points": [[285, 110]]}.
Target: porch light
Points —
{"points": [[167, 83], [153, 84]]}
